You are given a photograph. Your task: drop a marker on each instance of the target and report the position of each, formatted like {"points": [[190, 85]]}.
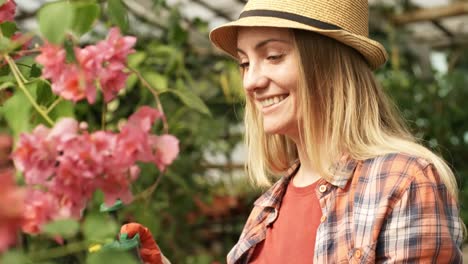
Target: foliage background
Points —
{"points": [[197, 211]]}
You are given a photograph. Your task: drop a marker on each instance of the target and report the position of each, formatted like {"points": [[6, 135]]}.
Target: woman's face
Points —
{"points": [[269, 66]]}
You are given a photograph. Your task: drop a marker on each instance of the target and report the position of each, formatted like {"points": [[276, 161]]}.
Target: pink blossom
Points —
{"points": [[41, 207], [35, 156], [36, 153], [11, 210], [7, 11], [144, 118], [53, 58], [66, 164], [64, 129], [115, 50], [166, 149], [73, 84], [116, 47], [112, 80], [103, 63], [133, 139]]}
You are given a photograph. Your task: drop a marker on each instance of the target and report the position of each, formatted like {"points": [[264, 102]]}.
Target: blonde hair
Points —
{"points": [[353, 114]]}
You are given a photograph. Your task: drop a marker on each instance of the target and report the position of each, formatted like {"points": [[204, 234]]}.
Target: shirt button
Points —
{"points": [[322, 188], [323, 218], [358, 254]]}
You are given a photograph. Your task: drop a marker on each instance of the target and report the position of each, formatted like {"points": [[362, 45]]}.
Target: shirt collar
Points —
{"points": [[343, 171]]}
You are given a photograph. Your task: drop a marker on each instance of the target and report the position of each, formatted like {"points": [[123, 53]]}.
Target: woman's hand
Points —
{"points": [[149, 251]]}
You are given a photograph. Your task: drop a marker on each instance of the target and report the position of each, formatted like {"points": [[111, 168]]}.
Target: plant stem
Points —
{"points": [[17, 70], [25, 90], [26, 52], [145, 194], [156, 97], [104, 112], [54, 104]]}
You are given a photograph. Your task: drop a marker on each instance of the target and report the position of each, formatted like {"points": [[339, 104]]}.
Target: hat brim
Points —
{"points": [[225, 37]]}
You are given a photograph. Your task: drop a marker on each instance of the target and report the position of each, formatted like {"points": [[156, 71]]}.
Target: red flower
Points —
{"points": [[11, 210], [7, 11], [103, 63]]}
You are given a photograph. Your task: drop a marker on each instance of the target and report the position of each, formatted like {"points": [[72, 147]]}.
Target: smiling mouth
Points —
{"points": [[273, 100]]}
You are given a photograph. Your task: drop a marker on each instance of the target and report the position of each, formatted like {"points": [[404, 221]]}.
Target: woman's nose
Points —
{"points": [[254, 78]]}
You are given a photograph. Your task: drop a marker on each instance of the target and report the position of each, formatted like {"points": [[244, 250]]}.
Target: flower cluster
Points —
{"points": [[67, 164], [11, 210], [7, 11], [101, 65]]}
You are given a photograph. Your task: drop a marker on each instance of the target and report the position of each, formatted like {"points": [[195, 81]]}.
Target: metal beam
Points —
{"points": [[213, 9], [431, 14]]}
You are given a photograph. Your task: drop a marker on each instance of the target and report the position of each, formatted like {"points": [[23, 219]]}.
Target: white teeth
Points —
{"points": [[273, 100]]}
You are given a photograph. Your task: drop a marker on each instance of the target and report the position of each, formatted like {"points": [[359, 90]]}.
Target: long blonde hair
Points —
{"points": [[343, 110]]}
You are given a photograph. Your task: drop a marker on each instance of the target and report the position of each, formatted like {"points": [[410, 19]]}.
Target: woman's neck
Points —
{"points": [[306, 174]]}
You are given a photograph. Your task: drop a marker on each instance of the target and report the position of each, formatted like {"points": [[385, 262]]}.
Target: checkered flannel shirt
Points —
{"points": [[389, 209]]}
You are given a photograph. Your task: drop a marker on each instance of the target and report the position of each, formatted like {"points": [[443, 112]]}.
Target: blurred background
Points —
{"points": [[198, 210]]}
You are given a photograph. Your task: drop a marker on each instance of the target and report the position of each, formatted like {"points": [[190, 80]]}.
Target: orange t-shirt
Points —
{"points": [[291, 238]]}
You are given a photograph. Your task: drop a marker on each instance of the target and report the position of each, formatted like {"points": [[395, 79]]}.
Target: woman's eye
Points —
{"points": [[243, 65], [274, 57]]}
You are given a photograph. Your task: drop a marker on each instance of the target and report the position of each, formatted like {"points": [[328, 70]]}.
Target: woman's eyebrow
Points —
{"points": [[263, 43]]}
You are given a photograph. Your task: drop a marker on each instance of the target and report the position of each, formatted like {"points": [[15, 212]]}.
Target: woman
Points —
{"points": [[356, 186]]}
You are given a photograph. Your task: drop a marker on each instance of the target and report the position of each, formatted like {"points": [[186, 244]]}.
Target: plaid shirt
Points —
{"points": [[388, 209]]}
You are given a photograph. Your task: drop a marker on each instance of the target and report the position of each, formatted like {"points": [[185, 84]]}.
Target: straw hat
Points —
{"points": [[343, 20]]}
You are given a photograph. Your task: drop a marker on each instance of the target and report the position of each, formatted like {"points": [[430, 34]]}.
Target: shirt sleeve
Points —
{"points": [[424, 225]]}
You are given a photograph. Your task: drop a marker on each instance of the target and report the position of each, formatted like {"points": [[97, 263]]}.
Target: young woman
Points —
{"points": [[352, 184]]}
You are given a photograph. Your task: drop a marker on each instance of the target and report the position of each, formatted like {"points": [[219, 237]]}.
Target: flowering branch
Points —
{"points": [[20, 82], [155, 94]]}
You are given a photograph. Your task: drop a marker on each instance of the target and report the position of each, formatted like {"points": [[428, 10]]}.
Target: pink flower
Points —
{"points": [[133, 140], [41, 208], [64, 129], [73, 84], [35, 156], [11, 210], [66, 164], [112, 80], [144, 118], [7, 11], [166, 149], [103, 63], [53, 58], [115, 50], [36, 153], [116, 47]]}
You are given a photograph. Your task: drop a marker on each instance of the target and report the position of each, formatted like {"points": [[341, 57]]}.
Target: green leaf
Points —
{"points": [[118, 14], [191, 100], [44, 93], [98, 227], [55, 19], [16, 111], [131, 80], [63, 109], [14, 257], [5, 44], [35, 71], [111, 256], [6, 85], [8, 28], [134, 60], [65, 228], [156, 80], [85, 15]]}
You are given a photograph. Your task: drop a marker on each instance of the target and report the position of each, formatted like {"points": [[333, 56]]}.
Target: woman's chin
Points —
{"points": [[278, 128]]}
